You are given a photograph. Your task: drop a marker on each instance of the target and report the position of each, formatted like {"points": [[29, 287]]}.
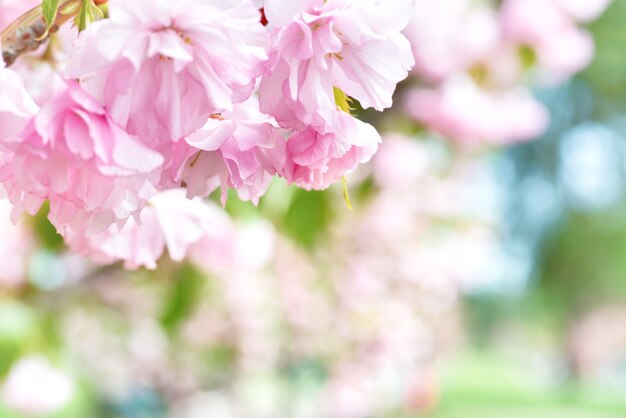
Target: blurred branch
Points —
{"points": [[28, 33]]}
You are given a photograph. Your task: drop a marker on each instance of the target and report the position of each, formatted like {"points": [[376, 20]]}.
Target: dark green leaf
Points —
{"points": [[309, 216], [183, 296]]}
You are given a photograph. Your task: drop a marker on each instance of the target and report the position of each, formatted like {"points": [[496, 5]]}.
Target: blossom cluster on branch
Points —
{"points": [[476, 64], [199, 95], [204, 95]]}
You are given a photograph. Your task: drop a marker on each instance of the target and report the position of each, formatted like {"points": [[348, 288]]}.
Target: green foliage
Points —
{"points": [[219, 360], [308, 217], [87, 14], [528, 56], [307, 376], [17, 326], [46, 232], [607, 73], [489, 385], [585, 264], [185, 290], [235, 206], [84, 11], [49, 9]]}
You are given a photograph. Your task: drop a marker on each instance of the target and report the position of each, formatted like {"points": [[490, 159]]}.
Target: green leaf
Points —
{"points": [[87, 14], [81, 17], [309, 217], [96, 12], [49, 9], [183, 296], [45, 232]]}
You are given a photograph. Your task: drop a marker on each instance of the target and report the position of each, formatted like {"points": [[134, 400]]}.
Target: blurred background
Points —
{"points": [[480, 273]]}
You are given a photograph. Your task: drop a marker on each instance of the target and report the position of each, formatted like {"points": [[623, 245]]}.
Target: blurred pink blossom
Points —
{"points": [[171, 221], [401, 162], [460, 109], [448, 36], [584, 11], [16, 246], [550, 27], [16, 105], [34, 387]]}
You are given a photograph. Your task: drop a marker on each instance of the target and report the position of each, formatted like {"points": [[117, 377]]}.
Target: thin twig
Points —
{"points": [[28, 33]]}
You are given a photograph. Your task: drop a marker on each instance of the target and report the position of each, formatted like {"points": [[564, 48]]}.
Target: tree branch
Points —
{"points": [[28, 33]]}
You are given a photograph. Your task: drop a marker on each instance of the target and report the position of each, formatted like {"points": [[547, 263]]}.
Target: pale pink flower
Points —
{"points": [[562, 48], [353, 45], [171, 221], [162, 67], [71, 153], [136, 245], [10, 10], [566, 54], [16, 245], [400, 162], [241, 149], [40, 78], [584, 11], [34, 387], [16, 105], [41, 72], [448, 36], [532, 22], [461, 110], [176, 155], [503, 68], [316, 160]]}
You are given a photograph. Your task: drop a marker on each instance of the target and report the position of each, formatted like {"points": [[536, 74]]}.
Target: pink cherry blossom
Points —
{"points": [[171, 221], [566, 54], [41, 79], [241, 149], [550, 28], [401, 162], [318, 45], [532, 22], [16, 105], [41, 71], [16, 246], [162, 67], [461, 110], [316, 160], [71, 153], [448, 36], [584, 11]]}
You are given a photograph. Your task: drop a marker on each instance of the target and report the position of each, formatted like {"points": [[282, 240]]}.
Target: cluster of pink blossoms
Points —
{"points": [[474, 61], [197, 95]]}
